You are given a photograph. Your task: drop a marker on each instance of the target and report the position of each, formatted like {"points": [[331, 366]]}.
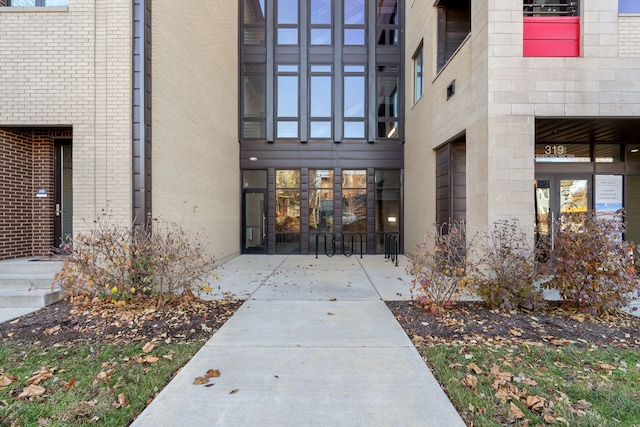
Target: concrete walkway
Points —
{"points": [[313, 345]]}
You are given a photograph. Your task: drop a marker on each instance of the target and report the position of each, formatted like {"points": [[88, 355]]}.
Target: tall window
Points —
{"points": [[354, 22], [321, 19], [288, 211], [388, 188], [418, 74], [287, 101], [454, 23], [321, 102], [354, 101], [321, 70], [287, 22], [354, 202]]}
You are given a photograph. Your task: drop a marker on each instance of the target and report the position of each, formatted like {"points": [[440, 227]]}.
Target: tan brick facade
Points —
{"points": [[195, 119], [629, 27], [71, 67]]}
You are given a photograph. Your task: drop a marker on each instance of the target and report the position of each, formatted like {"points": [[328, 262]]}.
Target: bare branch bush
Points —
{"points": [[118, 262], [439, 266], [506, 273]]}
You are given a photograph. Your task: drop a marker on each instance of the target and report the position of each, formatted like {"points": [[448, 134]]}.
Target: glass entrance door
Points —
{"points": [[254, 222], [63, 193], [559, 197]]}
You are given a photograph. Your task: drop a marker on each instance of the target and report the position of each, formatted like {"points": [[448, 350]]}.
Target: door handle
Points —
{"points": [[58, 209], [264, 226]]}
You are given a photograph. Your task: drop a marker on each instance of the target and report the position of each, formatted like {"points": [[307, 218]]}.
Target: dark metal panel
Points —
{"points": [[543, 167], [617, 168], [141, 112], [585, 130]]}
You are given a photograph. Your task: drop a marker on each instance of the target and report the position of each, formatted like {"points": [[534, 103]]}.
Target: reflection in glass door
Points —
{"points": [[254, 227], [559, 197]]}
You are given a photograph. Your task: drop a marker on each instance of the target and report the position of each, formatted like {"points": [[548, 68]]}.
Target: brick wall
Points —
{"points": [[3, 3], [27, 162], [71, 67], [629, 38], [16, 196]]}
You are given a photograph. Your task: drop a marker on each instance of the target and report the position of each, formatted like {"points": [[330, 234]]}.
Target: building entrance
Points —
{"points": [[63, 193]]}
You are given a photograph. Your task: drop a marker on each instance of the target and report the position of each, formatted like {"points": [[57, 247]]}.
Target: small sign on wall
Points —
{"points": [[41, 193]]}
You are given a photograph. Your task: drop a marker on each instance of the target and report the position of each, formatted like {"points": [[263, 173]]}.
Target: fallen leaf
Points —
{"points": [[515, 412], [535, 403], [475, 368], [122, 400], [148, 347], [200, 380], [234, 391], [6, 380], [212, 373], [31, 391], [150, 359], [41, 375], [471, 381], [515, 333], [69, 384], [605, 367], [52, 330]]}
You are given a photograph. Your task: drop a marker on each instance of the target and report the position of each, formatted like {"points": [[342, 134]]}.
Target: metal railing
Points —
{"points": [[353, 241], [391, 246], [540, 8]]}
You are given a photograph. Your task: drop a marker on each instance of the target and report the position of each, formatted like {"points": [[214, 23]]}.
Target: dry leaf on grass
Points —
{"points": [[6, 380], [149, 360], [148, 347], [535, 403], [31, 391], [515, 412], [471, 381], [475, 368]]}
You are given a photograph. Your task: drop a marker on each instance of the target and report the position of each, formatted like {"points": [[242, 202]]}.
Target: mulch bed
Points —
{"points": [[188, 319], [472, 323]]}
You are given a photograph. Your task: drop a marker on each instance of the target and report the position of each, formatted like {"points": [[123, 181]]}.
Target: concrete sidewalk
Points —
{"points": [[313, 345]]}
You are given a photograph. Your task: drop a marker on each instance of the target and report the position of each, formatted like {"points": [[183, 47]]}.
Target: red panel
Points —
{"points": [[564, 48], [551, 36]]}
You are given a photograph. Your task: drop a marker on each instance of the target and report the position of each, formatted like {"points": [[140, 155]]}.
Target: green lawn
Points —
{"points": [[86, 383], [528, 384]]}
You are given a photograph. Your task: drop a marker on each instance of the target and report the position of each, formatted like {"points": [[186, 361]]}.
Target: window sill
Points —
{"points": [[38, 9]]}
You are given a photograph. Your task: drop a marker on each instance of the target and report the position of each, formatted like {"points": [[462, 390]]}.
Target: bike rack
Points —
{"points": [[353, 241], [391, 246], [333, 244]]}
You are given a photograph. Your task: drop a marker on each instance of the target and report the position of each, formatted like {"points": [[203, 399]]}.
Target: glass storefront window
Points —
{"points": [[632, 153], [254, 179], [387, 205], [321, 201], [354, 206], [287, 211], [608, 153]]}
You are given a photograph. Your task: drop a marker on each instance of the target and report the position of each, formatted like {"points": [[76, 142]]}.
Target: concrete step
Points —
{"points": [[27, 282], [36, 298], [18, 282], [30, 266]]}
